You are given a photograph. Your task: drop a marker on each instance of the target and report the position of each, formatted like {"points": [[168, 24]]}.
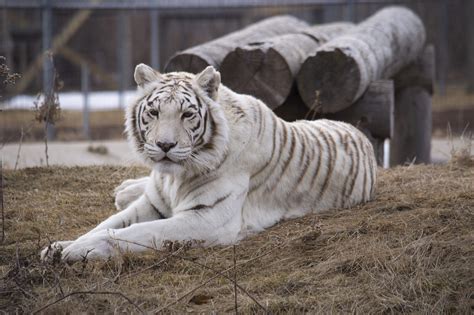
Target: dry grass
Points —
{"points": [[103, 124], [408, 251], [462, 154], [456, 97]]}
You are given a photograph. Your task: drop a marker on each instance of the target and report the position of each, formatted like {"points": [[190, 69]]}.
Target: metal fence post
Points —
{"points": [[85, 96], [48, 67], [155, 39], [123, 54], [350, 6]]}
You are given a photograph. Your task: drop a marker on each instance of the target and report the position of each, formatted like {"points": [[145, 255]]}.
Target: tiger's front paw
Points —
{"points": [[96, 246], [52, 253]]}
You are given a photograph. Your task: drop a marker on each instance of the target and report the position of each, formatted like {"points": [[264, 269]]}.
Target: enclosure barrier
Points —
{"points": [[377, 75]]}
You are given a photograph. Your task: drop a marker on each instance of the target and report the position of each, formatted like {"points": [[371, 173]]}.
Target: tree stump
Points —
{"points": [[293, 108], [373, 111]]}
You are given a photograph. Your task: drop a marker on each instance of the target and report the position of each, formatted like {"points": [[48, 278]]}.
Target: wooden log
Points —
{"points": [[293, 108], [373, 111], [267, 69], [418, 73], [197, 58], [377, 145], [411, 141], [377, 48]]}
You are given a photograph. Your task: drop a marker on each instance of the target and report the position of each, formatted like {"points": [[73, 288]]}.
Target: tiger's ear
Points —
{"points": [[209, 80], [145, 74]]}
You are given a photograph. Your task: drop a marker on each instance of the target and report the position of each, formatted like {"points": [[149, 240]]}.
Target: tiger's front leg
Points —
{"points": [[140, 210], [217, 221]]}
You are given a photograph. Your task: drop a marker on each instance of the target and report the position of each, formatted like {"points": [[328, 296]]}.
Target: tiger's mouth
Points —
{"points": [[165, 159]]}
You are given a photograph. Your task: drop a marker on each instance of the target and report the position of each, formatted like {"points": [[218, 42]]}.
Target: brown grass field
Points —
{"points": [[411, 250]]}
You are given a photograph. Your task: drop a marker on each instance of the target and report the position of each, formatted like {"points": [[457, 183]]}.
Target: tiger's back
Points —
{"points": [[300, 167]]}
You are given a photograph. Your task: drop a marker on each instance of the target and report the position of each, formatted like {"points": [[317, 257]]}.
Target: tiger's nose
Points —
{"points": [[166, 146]]}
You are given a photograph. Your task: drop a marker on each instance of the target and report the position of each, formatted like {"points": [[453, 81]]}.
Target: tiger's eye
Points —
{"points": [[153, 112], [187, 114]]}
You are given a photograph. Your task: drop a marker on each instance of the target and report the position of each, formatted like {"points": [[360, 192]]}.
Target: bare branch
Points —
{"points": [[19, 149]]}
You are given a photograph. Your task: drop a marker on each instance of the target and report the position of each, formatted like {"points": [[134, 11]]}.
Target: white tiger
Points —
{"points": [[223, 166]]}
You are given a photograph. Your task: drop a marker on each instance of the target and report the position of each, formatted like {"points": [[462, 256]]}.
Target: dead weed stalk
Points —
{"points": [[462, 154], [47, 106]]}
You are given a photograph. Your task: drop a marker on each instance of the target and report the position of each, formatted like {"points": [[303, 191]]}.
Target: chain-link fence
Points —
{"points": [[95, 45]]}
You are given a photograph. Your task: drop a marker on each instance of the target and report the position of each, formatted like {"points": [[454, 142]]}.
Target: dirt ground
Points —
{"points": [[103, 125], [458, 112], [71, 153], [408, 251], [118, 152]]}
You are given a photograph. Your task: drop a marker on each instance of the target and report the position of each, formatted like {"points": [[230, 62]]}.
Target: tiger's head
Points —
{"points": [[177, 124]]}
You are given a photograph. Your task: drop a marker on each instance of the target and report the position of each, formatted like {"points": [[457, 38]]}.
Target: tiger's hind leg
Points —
{"points": [[129, 191]]}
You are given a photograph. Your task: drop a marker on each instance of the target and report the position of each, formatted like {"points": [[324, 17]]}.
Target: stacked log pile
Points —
{"points": [[377, 75], [196, 59], [376, 49], [267, 69]]}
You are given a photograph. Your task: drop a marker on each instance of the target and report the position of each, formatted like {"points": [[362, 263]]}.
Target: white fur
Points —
{"points": [[250, 178]]}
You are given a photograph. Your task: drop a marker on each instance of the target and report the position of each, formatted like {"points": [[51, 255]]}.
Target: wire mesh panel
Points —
{"points": [[103, 40]]}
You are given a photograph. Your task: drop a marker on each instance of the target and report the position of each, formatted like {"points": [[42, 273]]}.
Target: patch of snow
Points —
{"points": [[100, 100]]}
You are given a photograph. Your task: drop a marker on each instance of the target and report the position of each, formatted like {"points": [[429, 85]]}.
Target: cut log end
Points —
{"points": [[187, 62], [259, 71], [373, 111], [321, 73], [377, 48]]}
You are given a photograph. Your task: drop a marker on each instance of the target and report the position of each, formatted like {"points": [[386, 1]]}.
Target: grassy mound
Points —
{"points": [[409, 250]]}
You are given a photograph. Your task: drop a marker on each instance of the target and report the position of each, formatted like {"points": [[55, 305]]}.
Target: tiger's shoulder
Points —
{"points": [[243, 114]]}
